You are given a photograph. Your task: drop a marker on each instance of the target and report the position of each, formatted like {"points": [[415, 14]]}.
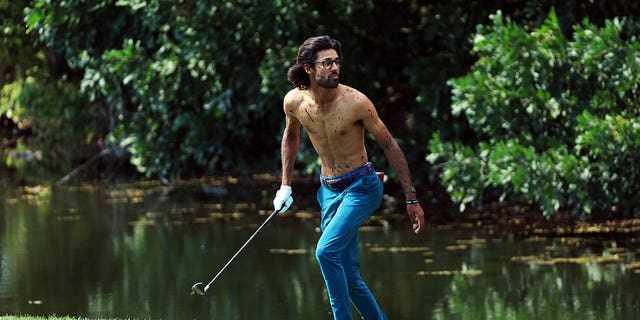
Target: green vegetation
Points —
{"points": [[543, 110], [47, 317], [557, 119]]}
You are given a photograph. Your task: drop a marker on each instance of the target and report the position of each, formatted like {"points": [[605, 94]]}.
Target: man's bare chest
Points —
{"points": [[328, 122]]}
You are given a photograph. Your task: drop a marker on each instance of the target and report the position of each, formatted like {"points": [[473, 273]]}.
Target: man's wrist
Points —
{"points": [[409, 189]]}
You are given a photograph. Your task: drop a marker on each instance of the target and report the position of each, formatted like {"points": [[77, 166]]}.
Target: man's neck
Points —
{"points": [[323, 95]]}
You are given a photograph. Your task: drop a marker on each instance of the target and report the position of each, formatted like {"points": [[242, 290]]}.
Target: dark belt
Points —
{"points": [[341, 182]]}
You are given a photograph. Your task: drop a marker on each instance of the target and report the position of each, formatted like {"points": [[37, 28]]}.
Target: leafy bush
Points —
{"points": [[39, 105], [180, 80], [195, 87], [556, 119]]}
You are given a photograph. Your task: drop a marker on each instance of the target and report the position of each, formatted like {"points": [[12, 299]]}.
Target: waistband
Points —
{"points": [[341, 182]]}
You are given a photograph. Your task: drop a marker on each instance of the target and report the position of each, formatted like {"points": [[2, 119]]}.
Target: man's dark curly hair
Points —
{"points": [[307, 55]]}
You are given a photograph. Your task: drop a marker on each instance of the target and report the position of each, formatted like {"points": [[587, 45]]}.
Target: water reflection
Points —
{"points": [[134, 250]]}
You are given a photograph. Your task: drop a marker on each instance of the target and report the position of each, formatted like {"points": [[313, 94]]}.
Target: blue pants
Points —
{"points": [[343, 211]]}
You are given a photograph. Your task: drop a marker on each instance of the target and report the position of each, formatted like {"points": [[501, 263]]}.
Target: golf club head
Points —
{"points": [[198, 289]]}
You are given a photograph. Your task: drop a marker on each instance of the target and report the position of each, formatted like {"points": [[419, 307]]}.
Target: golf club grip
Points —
{"points": [[273, 214]]}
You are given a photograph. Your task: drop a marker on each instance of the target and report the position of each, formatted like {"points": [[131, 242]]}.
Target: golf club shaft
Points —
{"points": [[244, 245]]}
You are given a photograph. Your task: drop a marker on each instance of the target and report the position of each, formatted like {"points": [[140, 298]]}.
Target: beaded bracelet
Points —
{"points": [[415, 201]]}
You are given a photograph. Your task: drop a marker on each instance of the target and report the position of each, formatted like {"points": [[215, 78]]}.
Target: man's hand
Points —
{"points": [[416, 214], [283, 199]]}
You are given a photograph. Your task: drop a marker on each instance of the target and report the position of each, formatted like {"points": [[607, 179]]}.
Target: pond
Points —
{"points": [[133, 250]]}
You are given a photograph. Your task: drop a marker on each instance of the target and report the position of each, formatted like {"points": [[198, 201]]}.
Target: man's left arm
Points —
{"points": [[398, 162]]}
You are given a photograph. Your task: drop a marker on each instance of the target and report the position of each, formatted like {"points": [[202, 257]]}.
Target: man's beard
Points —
{"points": [[328, 83]]}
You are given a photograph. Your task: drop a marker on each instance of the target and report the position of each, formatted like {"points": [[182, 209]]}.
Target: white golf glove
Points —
{"points": [[283, 199]]}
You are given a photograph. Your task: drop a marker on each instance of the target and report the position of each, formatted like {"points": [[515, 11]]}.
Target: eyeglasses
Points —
{"points": [[327, 64]]}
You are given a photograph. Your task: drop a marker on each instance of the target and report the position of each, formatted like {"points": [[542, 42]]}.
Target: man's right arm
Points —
{"points": [[289, 146], [288, 151]]}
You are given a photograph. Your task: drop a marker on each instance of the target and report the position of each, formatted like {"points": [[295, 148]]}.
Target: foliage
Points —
{"points": [[45, 117], [16, 51], [193, 88], [24, 317], [556, 118], [612, 143], [29, 102], [40, 98], [183, 78]]}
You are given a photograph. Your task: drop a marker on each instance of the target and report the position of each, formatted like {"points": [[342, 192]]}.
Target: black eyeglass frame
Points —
{"points": [[328, 63]]}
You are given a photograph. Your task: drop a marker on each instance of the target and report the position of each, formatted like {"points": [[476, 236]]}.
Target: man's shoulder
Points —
{"points": [[294, 95], [293, 100], [355, 96]]}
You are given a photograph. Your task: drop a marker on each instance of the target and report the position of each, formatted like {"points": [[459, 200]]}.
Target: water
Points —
{"points": [[135, 250]]}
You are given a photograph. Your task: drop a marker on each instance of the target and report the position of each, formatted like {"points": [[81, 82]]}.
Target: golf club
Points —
{"points": [[199, 288]]}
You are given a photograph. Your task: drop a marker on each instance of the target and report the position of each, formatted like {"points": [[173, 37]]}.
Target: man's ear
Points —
{"points": [[308, 69]]}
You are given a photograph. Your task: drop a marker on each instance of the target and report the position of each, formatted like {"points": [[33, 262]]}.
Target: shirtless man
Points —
{"points": [[335, 117]]}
